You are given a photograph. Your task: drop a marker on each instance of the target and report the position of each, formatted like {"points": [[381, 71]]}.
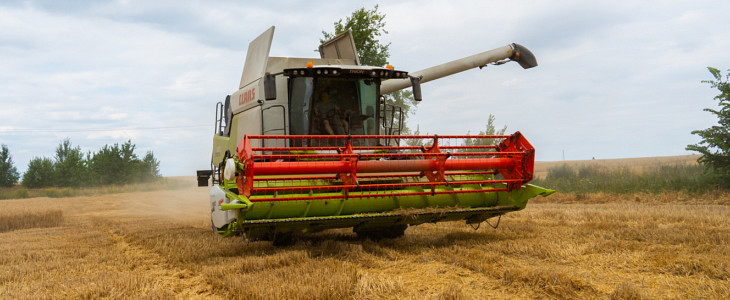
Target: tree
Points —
{"points": [[118, 164], [491, 129], [715, 144], [109, 166], [8, 173], [418, 142], [367, 26], [150, 167], [70, 167], [40, 173]]}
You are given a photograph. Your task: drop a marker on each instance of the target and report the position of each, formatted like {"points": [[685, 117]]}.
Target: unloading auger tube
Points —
{"points": [[271, 189], [514, 52]]}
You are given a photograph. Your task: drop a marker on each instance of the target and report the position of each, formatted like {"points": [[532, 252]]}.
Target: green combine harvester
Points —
{"points": [[308, 144]]}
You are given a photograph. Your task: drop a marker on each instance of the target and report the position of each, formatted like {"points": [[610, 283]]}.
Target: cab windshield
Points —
{"points": [[332, 106]]}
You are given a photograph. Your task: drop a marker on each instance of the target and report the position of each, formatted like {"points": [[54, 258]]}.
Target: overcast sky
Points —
{"points": [[616, 79]]}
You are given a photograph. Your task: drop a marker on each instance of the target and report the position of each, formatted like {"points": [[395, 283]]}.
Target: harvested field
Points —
{"points": [[158, 244]]}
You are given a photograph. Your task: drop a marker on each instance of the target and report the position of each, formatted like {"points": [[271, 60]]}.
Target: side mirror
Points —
{"points": [[416, 83], [270, 86]]}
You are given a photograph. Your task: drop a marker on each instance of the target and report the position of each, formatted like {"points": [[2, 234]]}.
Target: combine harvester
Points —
{"points": [[309, 144]]}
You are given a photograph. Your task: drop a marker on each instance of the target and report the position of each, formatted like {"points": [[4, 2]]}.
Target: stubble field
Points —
{"points": [[158, 244]]}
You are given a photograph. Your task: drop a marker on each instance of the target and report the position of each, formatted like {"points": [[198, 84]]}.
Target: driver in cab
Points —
{"points": [[330, 114]]}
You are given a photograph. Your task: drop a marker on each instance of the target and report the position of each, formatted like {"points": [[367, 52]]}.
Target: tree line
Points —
{"points": [[70, 167]]}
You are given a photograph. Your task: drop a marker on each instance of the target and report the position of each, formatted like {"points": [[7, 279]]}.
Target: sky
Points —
{"points": [[616, 79]]}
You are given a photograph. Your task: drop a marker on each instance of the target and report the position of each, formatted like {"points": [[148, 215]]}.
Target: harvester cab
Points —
{"points": [[307, 144]]}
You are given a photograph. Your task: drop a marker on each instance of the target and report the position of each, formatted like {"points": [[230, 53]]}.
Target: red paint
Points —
{"points": [[325, 167], [247, 96]]}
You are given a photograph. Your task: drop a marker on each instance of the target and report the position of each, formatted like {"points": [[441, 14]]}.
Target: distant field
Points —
{"points": [[638, 164], [158, 244]]}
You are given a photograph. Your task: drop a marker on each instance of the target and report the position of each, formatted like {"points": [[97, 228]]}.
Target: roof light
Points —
{"points": [[310, 64], [389, 67]]}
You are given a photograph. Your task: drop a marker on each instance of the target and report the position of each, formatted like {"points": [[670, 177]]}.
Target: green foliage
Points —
{"points": [[715, 144], [491, 129], [40, 173], [623, 180], [8, 173], [405, 100], [154, 185], [150, 167], [70, 166], [367, 26], [21, 193], [111, 165], [418, 142], [119, 165]]}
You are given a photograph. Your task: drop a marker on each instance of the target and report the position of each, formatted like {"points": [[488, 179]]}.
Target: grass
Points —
{"points": [[19, 192], [158, 244], [627, 180]]}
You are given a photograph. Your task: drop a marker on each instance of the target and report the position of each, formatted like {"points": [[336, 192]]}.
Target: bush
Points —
{"points": [[51, 192], [40, 173], [22, 193], [623, 180]]}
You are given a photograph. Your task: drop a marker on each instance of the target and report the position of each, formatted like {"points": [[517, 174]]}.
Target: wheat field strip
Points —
{"points": [[159, 245]]}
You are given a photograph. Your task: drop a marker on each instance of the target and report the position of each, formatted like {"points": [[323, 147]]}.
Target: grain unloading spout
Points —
{"points": [[523, 56], [512, 52]]}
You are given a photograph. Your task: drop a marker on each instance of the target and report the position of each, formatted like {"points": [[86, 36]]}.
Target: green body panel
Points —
{"points": [[220, 145], [256, 219]]}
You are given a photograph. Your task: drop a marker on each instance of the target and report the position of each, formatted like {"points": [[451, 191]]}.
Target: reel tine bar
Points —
{"points": [[304, 166]]}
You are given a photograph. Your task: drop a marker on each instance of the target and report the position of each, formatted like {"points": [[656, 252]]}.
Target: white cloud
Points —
{"points": [[616, 79]]}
